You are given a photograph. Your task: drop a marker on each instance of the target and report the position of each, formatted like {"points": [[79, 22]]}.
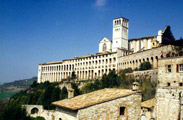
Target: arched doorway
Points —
{"points": [[34, 110]]}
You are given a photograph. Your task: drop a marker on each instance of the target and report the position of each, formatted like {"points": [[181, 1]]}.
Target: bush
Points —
{"points": [[64, 93], [148, 89], [38, 118], [145, 66], [13, 111], [76, 89]]}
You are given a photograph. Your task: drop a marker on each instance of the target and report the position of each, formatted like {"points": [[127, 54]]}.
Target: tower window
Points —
{"points": [[119, 21], [104, 47]]}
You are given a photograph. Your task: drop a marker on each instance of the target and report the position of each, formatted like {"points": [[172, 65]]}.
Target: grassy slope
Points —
{"points": [[5, 95]]}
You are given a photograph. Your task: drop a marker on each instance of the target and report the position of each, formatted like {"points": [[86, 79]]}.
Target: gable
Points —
{"points": [[104, 40]]}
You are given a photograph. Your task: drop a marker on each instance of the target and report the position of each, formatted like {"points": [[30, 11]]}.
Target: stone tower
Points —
{"points": [[120, 33]]}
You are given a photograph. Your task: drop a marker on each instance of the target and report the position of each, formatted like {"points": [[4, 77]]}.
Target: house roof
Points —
{"points": [[93, 98], [149, 103]]}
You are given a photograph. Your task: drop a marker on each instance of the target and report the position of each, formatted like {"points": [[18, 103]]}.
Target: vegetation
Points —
{"points": [[9, 89], [22, 83], [45, 93], [73, 75], [112, 80], [5, 95], [38, 118], [13, 111], [145, 66]]}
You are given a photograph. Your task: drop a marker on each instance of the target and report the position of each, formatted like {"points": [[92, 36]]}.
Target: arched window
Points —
{"points": [[104, 47]]}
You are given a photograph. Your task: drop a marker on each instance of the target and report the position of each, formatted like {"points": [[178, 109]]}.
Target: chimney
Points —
{"points": [[135, 86], [70, 93]]}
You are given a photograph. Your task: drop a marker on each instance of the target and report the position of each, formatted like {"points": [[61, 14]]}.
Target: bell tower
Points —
{"points": [[120, 33]]}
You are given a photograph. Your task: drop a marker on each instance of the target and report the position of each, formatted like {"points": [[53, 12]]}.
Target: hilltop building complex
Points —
{"points": [[115, 54], [120, 104]]}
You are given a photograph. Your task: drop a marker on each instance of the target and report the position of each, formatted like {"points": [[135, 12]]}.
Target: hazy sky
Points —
{"points": [[38, 31]]}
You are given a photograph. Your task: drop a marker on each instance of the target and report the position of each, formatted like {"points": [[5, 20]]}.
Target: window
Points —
{"points": [[168, 84], [169, 68], [180, 67], [180, 84], [122, 110], [60, 118], [104, 47]]}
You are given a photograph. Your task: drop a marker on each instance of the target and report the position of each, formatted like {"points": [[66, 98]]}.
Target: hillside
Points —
{"points": [[9, 89]]}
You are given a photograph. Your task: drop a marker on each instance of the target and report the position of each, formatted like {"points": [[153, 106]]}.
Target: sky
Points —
{"points": [[38, 31]]}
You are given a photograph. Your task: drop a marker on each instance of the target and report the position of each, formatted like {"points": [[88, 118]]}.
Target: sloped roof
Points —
{"points": [[93, 98], [140, 38], [105, 40], [149, 103]]}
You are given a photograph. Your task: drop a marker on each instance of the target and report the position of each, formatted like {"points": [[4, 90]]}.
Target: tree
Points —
{"points": [[73, 75], [14, 111], [47, 97], [110, 80], [76, 89], [38, 118], [64, 93], [34, 84], [145, 66], [55, 94]]}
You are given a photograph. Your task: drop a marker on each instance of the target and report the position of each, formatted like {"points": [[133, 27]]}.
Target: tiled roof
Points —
{"points": [[93, 98], [147, 37], [149, 103]]}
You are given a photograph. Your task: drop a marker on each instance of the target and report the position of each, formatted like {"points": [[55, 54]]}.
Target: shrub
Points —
{"points": [[38, 118], [145, 66]]}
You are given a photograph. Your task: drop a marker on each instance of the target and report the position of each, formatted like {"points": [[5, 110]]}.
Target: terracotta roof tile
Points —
{"points": [[93, 98], [149, 103]]}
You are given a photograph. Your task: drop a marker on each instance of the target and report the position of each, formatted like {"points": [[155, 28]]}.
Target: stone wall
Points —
{"points": [[111, 110], [175, 77], [167, 104], [146, 74], [152, 55], [49, 114], [169, 92]]}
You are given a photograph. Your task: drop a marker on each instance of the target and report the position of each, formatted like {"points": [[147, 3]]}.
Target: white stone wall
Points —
{"points": [[89, 67], [108, 45], [120, 34]]}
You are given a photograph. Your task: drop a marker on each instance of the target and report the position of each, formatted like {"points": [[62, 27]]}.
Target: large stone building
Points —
{"points": [[115, 54], [125, 104], [105, 104], [169, 96], [168, 102]]}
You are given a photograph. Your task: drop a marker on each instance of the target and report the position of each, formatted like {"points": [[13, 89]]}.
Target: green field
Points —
{"points": [[5, 95]]}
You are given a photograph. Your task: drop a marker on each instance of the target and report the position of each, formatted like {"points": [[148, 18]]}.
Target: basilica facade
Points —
{"points": [[116, 54]]}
